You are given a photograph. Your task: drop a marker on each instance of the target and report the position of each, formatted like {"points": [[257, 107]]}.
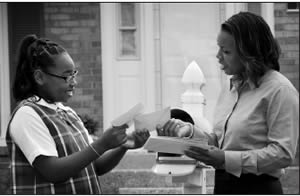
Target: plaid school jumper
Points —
{"points": [[67, 132]]}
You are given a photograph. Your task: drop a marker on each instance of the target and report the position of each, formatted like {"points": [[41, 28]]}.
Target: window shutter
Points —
{"points": [[23, 19]]}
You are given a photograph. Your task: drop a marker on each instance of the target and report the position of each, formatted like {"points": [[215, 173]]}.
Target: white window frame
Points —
{"points": [[292, 10], [137, 38]]}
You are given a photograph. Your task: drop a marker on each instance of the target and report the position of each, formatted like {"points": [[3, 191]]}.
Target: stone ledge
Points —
{"points": [[112, 181], [290, 181], [137, 160], [150, 190]]}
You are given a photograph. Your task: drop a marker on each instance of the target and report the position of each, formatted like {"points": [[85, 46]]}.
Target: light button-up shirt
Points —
{"points": [[258, 128]]}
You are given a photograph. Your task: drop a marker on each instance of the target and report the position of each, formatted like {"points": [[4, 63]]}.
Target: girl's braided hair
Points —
{"points": [[33, 53]]}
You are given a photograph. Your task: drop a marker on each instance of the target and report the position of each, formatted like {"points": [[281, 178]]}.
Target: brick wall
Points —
{"points": [[287, 34], [77, 27]]}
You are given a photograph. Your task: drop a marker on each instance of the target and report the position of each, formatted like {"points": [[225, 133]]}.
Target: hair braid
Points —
{"points": [[34, 53]]}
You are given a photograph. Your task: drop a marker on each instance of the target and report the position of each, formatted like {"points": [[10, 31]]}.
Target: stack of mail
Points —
{"points": [[173, 144]]}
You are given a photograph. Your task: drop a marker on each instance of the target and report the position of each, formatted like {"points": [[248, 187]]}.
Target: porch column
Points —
{"points": [[4, 74]]}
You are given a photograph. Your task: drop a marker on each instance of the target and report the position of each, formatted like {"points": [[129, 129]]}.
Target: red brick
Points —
{"points": [[69, 23], [280, 6], [69, 37], [285, 20], [81, 30], [292, 27], [59, 17], [290, 47], [51, 10], [68, 9], [59, 30]]}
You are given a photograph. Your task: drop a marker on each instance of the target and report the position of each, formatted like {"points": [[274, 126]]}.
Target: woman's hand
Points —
{"points": [[112, 137], [211, 156], [175, 128], [136, 139]]}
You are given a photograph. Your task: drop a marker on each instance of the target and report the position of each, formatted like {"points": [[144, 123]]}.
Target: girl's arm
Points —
{"points": [[111, 158], [58, 169]]}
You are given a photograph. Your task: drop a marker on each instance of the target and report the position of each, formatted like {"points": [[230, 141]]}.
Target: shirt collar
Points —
{"points": [[236, 83], [42, 102]]}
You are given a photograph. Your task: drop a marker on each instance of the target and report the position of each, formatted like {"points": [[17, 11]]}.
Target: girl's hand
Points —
{"points": [[137, 139], [113, 137], [212, 156], [174, 128]]}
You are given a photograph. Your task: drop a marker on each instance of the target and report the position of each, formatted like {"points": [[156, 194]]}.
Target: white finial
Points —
{"points": [[193, 74], [192, 99]]}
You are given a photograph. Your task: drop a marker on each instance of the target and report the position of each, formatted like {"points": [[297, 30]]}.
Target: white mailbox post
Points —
{"points": [[193, 101], [192, 175]]}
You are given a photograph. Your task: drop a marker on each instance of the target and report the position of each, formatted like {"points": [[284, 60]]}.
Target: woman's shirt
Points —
{"points": [[258, 128]]}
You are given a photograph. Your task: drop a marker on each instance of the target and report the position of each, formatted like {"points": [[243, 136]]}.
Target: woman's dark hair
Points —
{"points": [[33, 53], [256, 46]]}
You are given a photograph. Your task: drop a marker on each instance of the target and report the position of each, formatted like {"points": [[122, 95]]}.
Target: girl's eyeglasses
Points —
{"points": [[66, 78]]}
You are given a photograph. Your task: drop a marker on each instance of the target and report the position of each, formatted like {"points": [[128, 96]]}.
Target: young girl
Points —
{"points": [[51, 151]]}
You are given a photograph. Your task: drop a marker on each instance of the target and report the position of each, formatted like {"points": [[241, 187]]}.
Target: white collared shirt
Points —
{"points": [[30, 133]]}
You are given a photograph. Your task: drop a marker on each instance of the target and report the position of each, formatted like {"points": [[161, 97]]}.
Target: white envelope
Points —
{"points": [[151, 120]]}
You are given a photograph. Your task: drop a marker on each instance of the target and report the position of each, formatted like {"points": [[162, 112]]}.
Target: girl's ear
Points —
{"points": [[38, 76]]}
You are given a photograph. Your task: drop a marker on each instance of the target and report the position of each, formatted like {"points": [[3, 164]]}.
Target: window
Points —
{"points": [[128, 43], [293, 7]]}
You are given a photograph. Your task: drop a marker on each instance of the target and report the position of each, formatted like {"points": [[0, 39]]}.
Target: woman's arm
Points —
{"points": [[282, 137], [212, 137], [178, 128]]}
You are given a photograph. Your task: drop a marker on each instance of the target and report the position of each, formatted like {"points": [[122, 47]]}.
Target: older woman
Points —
{"points": [[256, 123]]}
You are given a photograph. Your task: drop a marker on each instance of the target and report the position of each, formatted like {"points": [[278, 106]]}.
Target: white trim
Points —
{"points": [[234, 8], [267, 12], [147, 54], [107, 42], [147, 61], [226, 12], [4, 74]]}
